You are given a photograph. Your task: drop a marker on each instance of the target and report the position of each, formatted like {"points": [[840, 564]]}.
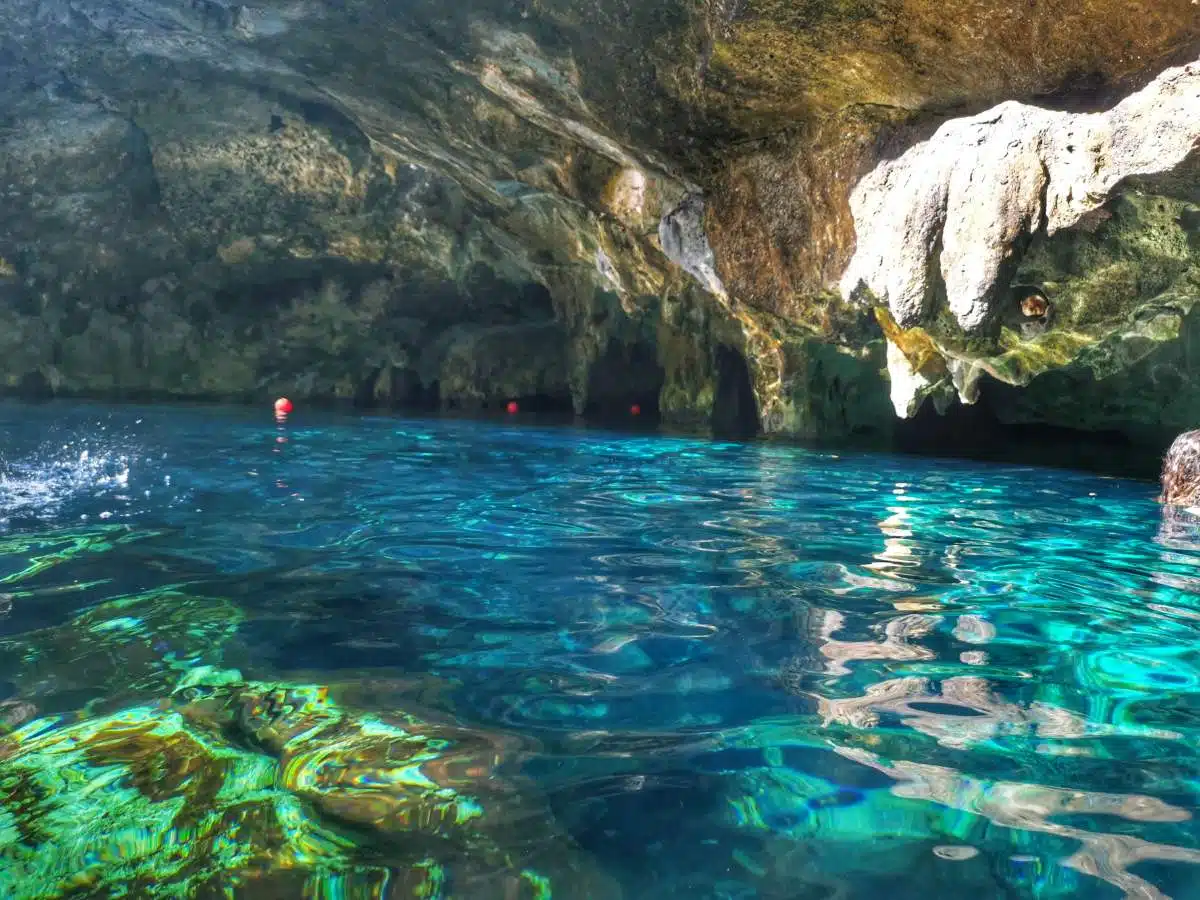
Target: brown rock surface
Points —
{"points": [[356, 200]]}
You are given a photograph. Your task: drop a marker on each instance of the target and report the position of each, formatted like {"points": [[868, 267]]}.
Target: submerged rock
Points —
{"points": [[124, 650], [250, 789]]}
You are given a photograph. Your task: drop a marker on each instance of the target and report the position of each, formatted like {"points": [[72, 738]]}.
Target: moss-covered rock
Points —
{"points": [[122, 651], [1094, 329]]}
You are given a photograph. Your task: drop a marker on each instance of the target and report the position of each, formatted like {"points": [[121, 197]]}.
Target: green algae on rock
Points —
{"points": [[253, 789], [135, 803], [1107, 350], [1049, 251], [126, 650]]}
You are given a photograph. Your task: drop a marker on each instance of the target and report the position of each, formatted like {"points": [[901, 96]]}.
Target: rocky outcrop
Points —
{"points": [[1052, 252], [379, 203], [947, 216], [201, 202]]}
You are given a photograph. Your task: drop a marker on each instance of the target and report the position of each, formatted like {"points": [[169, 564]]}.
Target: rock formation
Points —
{"points": [[957, 204], [272, 790], [703, 209], [132, 755], [949, 222]]}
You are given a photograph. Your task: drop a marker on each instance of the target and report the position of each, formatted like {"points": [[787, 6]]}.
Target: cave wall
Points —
{"points": [[584, 205]]}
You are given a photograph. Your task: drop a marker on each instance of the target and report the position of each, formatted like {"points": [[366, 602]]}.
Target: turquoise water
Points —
{"points": [[236, 655]]}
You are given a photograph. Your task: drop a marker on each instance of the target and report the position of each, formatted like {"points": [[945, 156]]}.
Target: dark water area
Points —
{"points": [[359, 656]]}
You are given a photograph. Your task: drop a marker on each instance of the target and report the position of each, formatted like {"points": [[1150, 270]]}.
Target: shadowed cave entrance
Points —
{"points": [[625, 377], [977, 432], [735, 409], [552, 406], [403, 390]]}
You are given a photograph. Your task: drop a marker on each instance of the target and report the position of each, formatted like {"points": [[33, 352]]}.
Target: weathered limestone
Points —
{"points": [[957, 205], [1046, 250]]}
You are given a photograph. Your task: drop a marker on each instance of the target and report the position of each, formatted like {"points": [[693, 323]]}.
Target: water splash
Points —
{"points": [[41, 485]]}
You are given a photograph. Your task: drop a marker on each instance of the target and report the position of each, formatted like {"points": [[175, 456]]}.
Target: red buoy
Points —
{"points": [[635, 410], [512, 407], [283, 405]]}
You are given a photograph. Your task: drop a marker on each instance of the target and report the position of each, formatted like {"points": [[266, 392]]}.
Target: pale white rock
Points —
{"points": [[959, 202], [684, 241], [627, 195], [908, 387]]}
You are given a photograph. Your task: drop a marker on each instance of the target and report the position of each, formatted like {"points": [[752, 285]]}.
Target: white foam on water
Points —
{"points": [[42, 484]]}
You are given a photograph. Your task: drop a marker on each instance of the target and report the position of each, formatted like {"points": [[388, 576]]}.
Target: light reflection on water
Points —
{"points": [[397, 658]]}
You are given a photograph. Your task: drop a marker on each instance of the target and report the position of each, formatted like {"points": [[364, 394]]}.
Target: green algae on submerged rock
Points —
{"points": [[248, 790], [48, 549], [135, 803], [398, 777], [124, 650]]}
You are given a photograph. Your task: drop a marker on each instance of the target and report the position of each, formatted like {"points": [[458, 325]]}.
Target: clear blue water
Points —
{"points": [[705, 669]]}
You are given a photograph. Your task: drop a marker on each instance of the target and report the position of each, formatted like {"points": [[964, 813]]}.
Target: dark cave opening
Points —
{"points": [[404, 391], [551, 405], [735, 409], [976, 432], [624, 385], [33, 387], [424, 396]]}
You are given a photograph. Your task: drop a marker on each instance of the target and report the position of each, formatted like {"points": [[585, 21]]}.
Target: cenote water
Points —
{"points": [[349, 657]]}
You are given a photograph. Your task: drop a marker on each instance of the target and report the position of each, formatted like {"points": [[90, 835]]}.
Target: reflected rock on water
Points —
{"points": [[1034, 808], [964, 711], [866, 817], [1179, 528], [1179, 568], [274, 790]]}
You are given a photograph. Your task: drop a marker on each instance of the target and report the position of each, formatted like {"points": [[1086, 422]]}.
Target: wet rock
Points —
{"points": [[119, 652], [152, 780]]}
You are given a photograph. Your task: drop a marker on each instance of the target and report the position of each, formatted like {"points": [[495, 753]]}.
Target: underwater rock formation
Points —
{"points": [[270, 789], [379, 203], [135, 760]]}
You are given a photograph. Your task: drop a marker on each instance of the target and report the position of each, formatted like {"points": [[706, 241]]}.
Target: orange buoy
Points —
{"points": [[283, 406], [512, 407]]}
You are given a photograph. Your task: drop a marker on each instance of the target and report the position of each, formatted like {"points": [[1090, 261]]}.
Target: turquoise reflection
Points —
{"points": [[450, 659]]}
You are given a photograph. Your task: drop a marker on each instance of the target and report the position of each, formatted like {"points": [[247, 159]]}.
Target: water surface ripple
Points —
{"points": [[682, 668]]}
